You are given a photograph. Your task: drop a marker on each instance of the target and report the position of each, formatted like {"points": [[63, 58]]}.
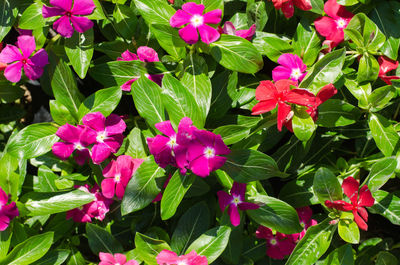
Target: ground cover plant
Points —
{"points": [[199, 132]]}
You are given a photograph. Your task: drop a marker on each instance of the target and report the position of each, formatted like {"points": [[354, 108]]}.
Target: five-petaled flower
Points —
{"points": [[235, 201], [332, 27], [116, 259], [306, 221], [278, 245], [385, 66], [291, 67], [287, 6], [358, 200], [192, 15], [70, 13], [230, 29], [7, 211], [19, 57], [168, 257]]}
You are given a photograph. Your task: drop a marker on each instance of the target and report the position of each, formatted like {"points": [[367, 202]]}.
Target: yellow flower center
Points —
{"points": [[209, 152]]}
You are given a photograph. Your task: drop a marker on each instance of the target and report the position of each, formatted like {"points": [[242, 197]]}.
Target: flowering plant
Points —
{"points": [[195, 132]]}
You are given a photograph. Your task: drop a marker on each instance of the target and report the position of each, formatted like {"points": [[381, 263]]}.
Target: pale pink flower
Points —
{"points": [[116, 259]]}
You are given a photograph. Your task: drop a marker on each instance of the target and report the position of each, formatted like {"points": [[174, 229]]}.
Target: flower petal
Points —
{"points": [[10, 54], [281, 72], [107, 257], [334, 10], [127, 86], [208, 34], [81, 24], [264, 232], [325, 93], [167, 257], [64, 4], [3, 197], [95, 120], [4, 222], [224, 199], [108, 187], [247, 33], [179, 19], [339, 205], [325, 26], [360, 221], [266, 91], [244, 206], [120, 258], [365, 197], [63, 26], [283, 86], [166, 128], [350, 187], [83, 7], [193, 8], [100, 152], [147, 54], [33, 72], [114, 125], [238, 189], [26, 44], [234, 215], [189, 34], [81, 156], [52, 11], [288, 9], [63, 150], [13, 72], [229, 28], [213, 17], [283, 112], [40, 58], [300, 97], [200, 166], [303, 4]]}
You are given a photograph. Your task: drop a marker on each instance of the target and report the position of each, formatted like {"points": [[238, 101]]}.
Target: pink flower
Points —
{"points": [[235, 202], [144, 54], [116, 259], [278, 245], [292, 67], [20, 57], [332, 27], [109, 135], [358, 198], [159, 195], [167, 257], [230, 29], [117, 175], [75, 139], [386, 65], [96, 209], [287, 6], [192, 15], [25, 31], [305, 214], [204, 153], [7, 212], [2, 65], [70, 14]]}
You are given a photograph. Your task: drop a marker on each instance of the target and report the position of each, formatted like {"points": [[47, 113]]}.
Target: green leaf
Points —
{"points": [[29, 251], [125, 21], [33, 141], [155, 11], [179, 102], [325, 71], [76, 258], [148, 248], [317, 6], [135, 147], [8, 13], [299, 192], [348, 231], [79, 49], [250, 165], [232, 133], [303, 125], [212, 243], [9, 92], [272, 45], [386, 258], [326, 186], [380, 173], [5, 240], [237, 54], [336, 112], [340, 256], [43, 203], [147, 97], [210, 4], [313, 245], [191, 225], [387, 205], [100, 240], [275, 214], [360, 92], [45, 181], [54, 257], [306, 42], [32, 18], [113, 49], [385, 136], [9, 177], [368, 69], [257, 14], [169, 40], [142, 187], [60, 113], [103, 100], [380, 97]]}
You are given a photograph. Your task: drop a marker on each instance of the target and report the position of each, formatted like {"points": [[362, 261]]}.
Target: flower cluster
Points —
{"points": [[190, 148], [14, 58], [168, 257], [104, 135], [96, 209], [7, 211], [287, 6], [144, 54], [116, 259]]}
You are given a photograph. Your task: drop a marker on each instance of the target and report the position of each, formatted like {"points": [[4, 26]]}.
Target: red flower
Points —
{"points": [[278, 245], [270, 95], [287, 6], [386, 65], [332, 27], [359, 199]]}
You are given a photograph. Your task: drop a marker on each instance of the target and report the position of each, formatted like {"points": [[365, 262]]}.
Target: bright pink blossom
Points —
{"points": [[109, 135], [18, 57], [117, 175], [70, 14], [358, 200], [306, 221], [291, 67], [2, 65], [96, 209], [75, 139], [235, 201], [287, 6], [278, 245], [332, 26], [192, 15], [230, 29], [385, 66], [7, 211], [270, 95], [167, 257], [144, 54], [116, 259]]}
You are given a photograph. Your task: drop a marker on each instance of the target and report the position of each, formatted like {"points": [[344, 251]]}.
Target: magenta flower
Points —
{"points": [[96, 209], [109, 135], [116, 259], [7, 212], [18, 57], [70, 14], [144, 54], [117, 175], [204, 153], [306, 221], [278, 245], [192, 15], [235, 202], [291, 67], [168, 257], [230, 29], [75, 139]]}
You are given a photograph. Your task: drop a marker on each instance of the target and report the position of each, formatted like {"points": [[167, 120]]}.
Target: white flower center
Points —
{"points": [[273, 242], [172, 142], [101, 136], [117, 178], [197, 20], [78, 146], [236, 200], [209, 152], [181, 263], [296, 74], [341, 23]]}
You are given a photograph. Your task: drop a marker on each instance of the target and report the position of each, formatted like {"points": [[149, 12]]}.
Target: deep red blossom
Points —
{"points": [[385, 66], [287, 6], [359, 198], [278, 245]]}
